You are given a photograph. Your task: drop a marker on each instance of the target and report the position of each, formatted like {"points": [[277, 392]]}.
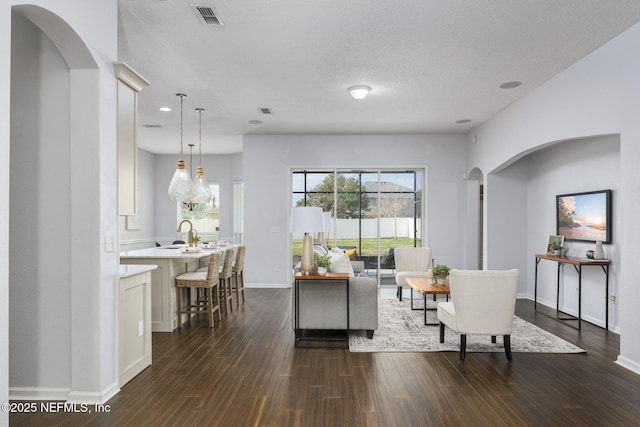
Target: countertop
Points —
{"points": [[170, 252]]}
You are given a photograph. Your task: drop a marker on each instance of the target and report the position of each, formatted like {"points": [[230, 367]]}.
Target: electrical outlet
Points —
{"points": [[613, 298], [140, 328], [277, 267]]}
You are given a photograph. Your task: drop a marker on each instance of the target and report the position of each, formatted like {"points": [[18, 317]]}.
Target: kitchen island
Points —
{"points": [[171, 263]]}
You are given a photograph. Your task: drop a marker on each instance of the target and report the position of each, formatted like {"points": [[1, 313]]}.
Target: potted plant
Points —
{"points": [[323, 262], [440, 272], [555, 248]]}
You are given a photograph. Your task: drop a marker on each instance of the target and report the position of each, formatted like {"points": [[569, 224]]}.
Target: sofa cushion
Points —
{"points": [[340, 262]]}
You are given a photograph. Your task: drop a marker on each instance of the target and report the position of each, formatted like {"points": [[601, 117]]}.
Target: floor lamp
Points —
{"points": [[307, 220]]}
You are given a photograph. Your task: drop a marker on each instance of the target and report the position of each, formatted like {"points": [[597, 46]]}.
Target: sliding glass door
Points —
{"points": [[374, 211]]}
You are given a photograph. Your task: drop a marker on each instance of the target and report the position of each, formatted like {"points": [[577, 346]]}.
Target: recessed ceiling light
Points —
{"points": [[165, 109], [359, 92], [510, 85], [463, 121], [255, 122]]}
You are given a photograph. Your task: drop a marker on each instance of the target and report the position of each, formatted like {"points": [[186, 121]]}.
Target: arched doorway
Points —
{"points": [[55, 211]]}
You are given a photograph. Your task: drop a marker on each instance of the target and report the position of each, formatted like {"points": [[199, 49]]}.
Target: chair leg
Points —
{"points": [[236, 288], [179, 291], [507, 347], [399, 293], [441, 332], [242, 284], [216, 298], [463, 346], [229, 293], [210, 306]]}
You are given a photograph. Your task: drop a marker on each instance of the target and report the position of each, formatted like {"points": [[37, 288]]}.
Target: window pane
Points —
{"points": [[204, 217]]}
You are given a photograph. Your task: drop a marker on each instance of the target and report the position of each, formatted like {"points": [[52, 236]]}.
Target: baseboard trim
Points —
{"points": [[628, 364], [38, 393], [268, 285], [62, 394]]}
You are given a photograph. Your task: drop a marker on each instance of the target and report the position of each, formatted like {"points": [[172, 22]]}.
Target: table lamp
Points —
{"points": [[307, 220]]}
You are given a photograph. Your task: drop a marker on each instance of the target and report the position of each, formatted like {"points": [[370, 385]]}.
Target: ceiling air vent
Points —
{"points": [[265, 110], [207, 15], [151, 125]]}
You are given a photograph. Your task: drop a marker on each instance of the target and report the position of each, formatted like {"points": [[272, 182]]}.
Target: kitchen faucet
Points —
{"points": [[190, 230]]}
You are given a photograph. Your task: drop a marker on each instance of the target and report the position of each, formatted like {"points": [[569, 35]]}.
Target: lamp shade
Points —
{"points": [[181, 186], [306, 219]]}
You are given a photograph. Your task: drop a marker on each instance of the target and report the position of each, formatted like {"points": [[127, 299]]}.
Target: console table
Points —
{"points": [[316, 310], [577, 263]]}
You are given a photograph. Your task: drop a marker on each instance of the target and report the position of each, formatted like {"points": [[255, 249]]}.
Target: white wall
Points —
{"points": [[5, 89], [596, 96], [144, 237], [40, 271], [82, 364], [268, 161]]}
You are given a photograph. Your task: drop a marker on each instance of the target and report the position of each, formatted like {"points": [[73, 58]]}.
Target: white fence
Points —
{"points": [[389, 227]]}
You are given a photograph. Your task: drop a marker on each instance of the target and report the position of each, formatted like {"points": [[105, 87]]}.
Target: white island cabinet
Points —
{"points": [[134, 320], [170, 263]]}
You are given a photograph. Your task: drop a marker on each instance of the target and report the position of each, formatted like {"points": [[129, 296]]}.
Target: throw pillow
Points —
{"points": [[320, 249], [340, 262], [351, 253]]}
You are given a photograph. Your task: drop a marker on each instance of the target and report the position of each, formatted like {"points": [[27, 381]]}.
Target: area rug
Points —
{"points": [[401, 329]]}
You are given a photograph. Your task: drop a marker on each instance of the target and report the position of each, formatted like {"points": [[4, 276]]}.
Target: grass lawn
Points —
{"points": [[369, 246]]}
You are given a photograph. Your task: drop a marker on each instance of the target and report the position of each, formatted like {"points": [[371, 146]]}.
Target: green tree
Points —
{"points": [[565, 216], [350, 194]]}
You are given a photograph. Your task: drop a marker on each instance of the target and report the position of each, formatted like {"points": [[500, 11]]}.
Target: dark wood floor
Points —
{"points": [[248, 373]]}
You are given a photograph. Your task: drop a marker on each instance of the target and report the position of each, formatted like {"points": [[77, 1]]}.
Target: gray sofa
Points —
{"points": [[322, 304]]}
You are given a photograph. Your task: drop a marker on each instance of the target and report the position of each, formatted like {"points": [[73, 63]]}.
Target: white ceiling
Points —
{"points": [[429, 63]]}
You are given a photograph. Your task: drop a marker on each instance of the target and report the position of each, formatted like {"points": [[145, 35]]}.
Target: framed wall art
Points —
{"points": [[584, 217]]}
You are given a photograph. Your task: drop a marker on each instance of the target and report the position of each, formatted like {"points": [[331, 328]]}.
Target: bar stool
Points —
{"points": [[225, 279], [208, 281], [238, 274]]}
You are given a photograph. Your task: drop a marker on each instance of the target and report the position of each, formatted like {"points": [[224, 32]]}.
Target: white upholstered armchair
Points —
{"points": [[482, 303], [410, 262]]}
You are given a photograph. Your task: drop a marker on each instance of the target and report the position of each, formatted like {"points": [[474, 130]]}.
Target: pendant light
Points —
{"points": [[201, 189], [181, 186]]}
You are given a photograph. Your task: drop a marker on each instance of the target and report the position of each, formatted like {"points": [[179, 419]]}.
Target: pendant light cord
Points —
{"points": [[181, 95], [200, 110]]}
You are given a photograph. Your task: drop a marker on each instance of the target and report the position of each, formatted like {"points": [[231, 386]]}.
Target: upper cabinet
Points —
{"points": [[129, 84]]}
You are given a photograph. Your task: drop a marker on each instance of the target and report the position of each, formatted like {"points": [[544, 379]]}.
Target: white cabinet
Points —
{"points": [[129, 84], [134, 320]]}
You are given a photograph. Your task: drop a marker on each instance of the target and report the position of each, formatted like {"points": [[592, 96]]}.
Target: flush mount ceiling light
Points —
{"points": [[359, 92], [510, 85], [165, 109]]}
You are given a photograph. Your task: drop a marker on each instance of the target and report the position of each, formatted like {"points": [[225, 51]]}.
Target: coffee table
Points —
{"points": [[422, 285]]}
